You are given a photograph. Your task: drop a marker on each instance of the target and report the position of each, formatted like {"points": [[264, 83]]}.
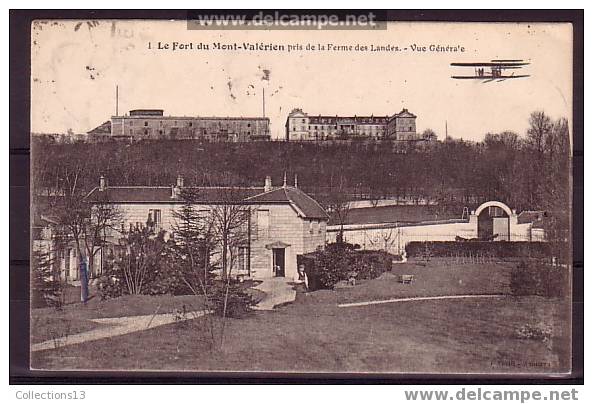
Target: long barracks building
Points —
{"points": [[143, 124], [301, 126]]}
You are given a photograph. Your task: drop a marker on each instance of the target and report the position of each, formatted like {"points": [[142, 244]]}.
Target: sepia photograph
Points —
{"points": [[298, 194]]}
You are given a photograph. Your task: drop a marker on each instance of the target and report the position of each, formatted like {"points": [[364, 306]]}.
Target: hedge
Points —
{"points": [[500, 249]]}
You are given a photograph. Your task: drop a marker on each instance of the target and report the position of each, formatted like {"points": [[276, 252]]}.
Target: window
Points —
{"points": [[154, 217], [263, 223], [243, 260], [191, 124], [146, 131], [145, 123], [249, 125], [67, 261]]}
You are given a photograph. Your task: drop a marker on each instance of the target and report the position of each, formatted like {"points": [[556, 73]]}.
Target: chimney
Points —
{"points": [[102, 184], [296, 181], [284, 180], [179, 181], [174, 192], [268, 184]]}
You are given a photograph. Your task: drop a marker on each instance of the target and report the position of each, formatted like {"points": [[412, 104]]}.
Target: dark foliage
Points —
{"points": [[526, 172], [137, 267], [342, 261], [541, 279], [46, 287], [232, 295], [499, 249]]}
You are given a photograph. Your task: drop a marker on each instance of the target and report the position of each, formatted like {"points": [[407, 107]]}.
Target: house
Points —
{"points": [[284, 222]]}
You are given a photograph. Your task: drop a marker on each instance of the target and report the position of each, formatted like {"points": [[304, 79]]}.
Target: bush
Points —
{"points": [[500, 249], [238, 302], [109, 287], [371, 264], [535, 278], [340, 262]]}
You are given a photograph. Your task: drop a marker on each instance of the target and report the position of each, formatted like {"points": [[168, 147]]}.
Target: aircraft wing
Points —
{"points": [[507, 65]]}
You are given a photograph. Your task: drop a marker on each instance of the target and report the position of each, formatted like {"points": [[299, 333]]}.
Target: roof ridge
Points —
{"points": [[265, 193], [305, 194]]}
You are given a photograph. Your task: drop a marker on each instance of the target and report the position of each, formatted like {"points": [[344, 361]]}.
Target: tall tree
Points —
{"points": [[85, 222], [540, 126]]}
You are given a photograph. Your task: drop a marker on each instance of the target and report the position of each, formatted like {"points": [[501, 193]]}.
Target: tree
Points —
{"points": [[229, 221], [205, 242], [138, 261], [508, 140], [429, 135], [88, 223], [192, 245], [540, 126], [338, 204], [555, 188], [46, 286]]}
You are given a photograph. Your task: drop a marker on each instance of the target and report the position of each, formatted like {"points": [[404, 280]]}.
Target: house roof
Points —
{"points": [[103, 129], [404, 113], [530, 216], [348, 119], [147, 194], [305, 205], [393, 214]]}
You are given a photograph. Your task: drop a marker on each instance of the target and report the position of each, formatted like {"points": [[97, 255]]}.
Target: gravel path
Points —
{"points": [[112, 327], [277, 290], [414, 299]]}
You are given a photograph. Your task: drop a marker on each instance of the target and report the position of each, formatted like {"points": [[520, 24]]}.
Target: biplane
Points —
{"points": [[497, 70]]}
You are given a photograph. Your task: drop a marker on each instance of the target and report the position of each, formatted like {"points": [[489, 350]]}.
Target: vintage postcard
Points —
{"points": [[301, 193]]}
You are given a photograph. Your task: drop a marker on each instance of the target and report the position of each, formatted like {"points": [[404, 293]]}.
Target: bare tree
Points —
{"points": [[86, 222], [338, 204], [229, 225], [139, 257], [540, 126]]}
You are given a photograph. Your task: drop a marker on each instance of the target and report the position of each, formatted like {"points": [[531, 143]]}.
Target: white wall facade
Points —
{"points": [[283, 225]]}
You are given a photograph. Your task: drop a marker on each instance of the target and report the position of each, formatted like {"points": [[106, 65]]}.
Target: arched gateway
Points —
{"points": [[494, 221]]}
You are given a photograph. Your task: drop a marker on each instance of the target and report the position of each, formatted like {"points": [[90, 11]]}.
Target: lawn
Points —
{"points": [[492, 335], [435, 278]]}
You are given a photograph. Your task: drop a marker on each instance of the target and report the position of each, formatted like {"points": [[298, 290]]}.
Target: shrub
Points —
{"points": [[536, 278], [339, 262], [239, 303], [500, 249], [371, 264], [109, 287]]}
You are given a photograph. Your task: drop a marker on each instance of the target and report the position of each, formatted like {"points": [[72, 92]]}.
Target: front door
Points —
{"points": [[278, 261]]}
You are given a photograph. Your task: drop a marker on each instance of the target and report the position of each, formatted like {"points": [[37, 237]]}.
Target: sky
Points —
{"points": [[76, 66]]}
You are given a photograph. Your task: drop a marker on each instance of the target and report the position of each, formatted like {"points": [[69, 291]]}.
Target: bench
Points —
{"points": [[406, 279]]}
